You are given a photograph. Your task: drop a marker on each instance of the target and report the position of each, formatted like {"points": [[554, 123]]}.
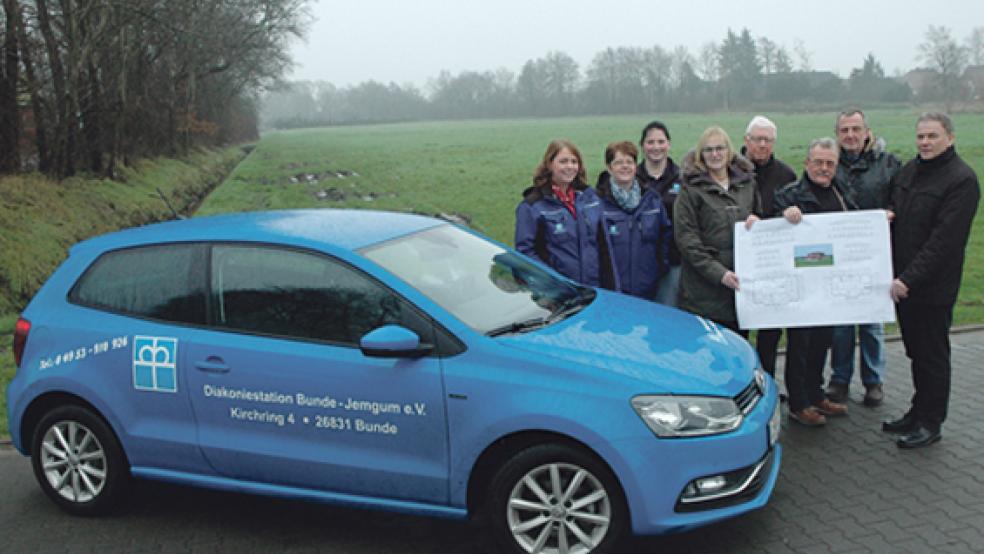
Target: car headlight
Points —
{"points": [[687, 416], [761, 379]]}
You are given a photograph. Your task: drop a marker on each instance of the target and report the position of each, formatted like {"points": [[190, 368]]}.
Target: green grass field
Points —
{"points": [[479, 168]]}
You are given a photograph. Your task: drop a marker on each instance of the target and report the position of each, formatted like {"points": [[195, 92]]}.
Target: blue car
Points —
{"points": [[387, 361]]}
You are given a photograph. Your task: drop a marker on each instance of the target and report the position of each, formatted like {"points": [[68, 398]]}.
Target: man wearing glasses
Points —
{"points": [[770, 175], [865, 169], [817, 192]]}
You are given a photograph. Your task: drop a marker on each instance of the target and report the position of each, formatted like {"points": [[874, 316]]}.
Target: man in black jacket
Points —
{"points": [[866, 169], [935, 198], [806, 347], [771, 175]]}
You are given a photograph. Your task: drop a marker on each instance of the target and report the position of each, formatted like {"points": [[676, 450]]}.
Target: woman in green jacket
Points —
{"points": [[718, 191]]}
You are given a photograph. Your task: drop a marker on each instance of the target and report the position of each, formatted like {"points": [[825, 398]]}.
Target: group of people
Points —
{"points": [[665, 233]]}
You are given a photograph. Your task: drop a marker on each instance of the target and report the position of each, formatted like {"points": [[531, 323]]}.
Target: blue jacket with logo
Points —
{"points": [[547, 231], [640, 240], [668, 186]]}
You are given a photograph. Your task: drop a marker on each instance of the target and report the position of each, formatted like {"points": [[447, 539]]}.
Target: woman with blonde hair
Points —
{"points": [[718, 191]]}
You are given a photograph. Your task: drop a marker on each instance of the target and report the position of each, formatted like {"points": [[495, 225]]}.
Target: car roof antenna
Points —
{"points": [[168, 202]]}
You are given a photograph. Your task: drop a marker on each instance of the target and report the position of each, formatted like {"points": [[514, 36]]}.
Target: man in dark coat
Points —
{"points": [[866, 170], [818, 191], [770, 175], [935, 199]]}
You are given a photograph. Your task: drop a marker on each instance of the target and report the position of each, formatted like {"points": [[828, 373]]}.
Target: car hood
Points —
{"points": [[664, 349]]}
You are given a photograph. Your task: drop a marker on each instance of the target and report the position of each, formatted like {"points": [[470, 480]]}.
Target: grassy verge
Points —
{"points": [[6, 374], [41, 218], [6, 368]]}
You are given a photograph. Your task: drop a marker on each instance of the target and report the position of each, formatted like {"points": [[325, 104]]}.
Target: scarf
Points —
{"points": [[628, 200]]}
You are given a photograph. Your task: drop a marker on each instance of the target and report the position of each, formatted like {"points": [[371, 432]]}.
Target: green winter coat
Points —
{"points": [[703, 225]]}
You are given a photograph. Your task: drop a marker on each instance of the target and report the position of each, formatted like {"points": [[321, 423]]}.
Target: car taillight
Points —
{"points": [[21, 330]]}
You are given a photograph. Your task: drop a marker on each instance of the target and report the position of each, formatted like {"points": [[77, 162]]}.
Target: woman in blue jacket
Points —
{"points": [[636, 223], [558, 220]]}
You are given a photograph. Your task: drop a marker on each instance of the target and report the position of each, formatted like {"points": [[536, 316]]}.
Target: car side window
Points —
{"points": [[297, 294], [164, 282]]}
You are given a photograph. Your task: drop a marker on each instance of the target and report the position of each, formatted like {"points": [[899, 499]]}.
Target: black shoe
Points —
{"points": [[919, 438], [903, 425], [873, 395], [837, 392]]}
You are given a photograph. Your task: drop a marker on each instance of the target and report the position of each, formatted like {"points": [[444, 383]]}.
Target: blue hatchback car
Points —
{"points": [[389, 361]]}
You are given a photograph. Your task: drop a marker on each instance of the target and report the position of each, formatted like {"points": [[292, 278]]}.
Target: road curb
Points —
{"points": [[970, 328]]}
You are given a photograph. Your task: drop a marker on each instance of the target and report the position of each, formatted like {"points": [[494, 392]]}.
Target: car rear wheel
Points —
{"points": [[555, 499], [78, 461]]}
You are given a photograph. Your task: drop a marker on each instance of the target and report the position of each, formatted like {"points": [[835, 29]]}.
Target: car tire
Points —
{"points": [[78, 461], [533, 507]]}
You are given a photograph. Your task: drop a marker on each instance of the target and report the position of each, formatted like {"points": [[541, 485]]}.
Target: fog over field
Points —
{"points": [[412, 42]]}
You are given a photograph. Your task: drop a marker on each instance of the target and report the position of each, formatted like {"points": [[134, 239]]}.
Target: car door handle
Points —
{"points": [[213, 364]]}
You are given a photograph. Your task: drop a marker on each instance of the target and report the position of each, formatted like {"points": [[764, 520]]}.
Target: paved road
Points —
{"points": [[845, 488]]}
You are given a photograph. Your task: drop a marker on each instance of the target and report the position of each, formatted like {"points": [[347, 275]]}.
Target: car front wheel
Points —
{"points": [[78, 461], [555, 499]]}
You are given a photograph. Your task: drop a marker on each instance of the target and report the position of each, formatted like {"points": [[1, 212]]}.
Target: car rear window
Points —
{"points": [[164, 282]]}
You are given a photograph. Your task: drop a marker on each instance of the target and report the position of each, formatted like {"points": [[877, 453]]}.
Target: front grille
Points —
{"points": [[748, 397]]}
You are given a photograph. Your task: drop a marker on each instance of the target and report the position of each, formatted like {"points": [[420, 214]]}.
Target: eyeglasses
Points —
{"points": [[761, 140], [712, 149], [823, 163]]}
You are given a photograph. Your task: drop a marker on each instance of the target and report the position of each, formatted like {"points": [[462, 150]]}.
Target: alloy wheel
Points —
{"points": [[559, 508], [74, 461]]}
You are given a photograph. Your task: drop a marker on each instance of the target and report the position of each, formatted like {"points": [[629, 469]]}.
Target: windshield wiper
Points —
{"points": [[572, 305], [519, 327]]}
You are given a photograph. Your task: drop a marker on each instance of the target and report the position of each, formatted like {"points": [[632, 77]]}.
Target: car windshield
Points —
{"points": [[490, 289]]}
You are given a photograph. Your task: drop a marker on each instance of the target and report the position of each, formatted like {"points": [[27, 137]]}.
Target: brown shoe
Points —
{"points": [[808, 416], [836, 391], [873, 395], [828, 408]]}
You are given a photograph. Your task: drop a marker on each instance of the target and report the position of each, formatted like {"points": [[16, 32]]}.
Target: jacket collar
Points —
{"points": [[741, 170], [535, 193], [769, 162], [946, 156]]}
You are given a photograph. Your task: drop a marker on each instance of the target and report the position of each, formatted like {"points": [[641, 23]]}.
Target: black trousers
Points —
{"points": [[926, 335], [767, 344], [806, 354]]}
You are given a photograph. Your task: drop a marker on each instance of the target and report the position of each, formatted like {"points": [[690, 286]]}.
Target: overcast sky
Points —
{"points": [[410, 41]]}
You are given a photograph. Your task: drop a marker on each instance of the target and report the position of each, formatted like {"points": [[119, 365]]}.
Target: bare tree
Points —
{"points": [[680, 57], [941, 53], [767, 54], [784, 63], [561, 80], [975, 46], [657, 74], [9, 78], [803, 56], [113, 79], [707, 62]]}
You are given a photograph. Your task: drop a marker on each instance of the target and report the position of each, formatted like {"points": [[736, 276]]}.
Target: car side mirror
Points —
{"points": [[393, 341]]}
